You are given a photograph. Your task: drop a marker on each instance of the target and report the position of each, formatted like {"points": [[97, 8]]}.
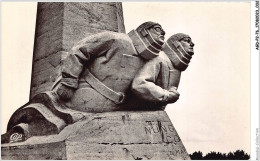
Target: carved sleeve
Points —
{"points": [[144, 83], [85, 51]]}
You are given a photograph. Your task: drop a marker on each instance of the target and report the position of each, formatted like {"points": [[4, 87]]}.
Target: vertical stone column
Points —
{"points": [[62, 24]]}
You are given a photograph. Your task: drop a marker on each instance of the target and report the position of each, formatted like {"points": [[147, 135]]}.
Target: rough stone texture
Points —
{"points": [[111, 135], [53, 151], [59, 26]]}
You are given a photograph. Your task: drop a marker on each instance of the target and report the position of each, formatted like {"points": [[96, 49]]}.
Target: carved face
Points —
{"points": [[187, 45], [157, 33]]}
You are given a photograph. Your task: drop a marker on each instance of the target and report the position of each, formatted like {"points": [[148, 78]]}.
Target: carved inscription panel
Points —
{"points": [[166, 130]]}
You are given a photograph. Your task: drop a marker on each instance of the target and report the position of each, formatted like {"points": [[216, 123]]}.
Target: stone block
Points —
{"points": [[48, 43], [95, 15], [46, 71], [111, 135], [50, 17], [52, 151]]}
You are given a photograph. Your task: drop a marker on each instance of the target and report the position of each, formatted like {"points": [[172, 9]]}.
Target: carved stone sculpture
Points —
{"points": [[155, 85], [100, 68], [95, 77], [91, 111]]}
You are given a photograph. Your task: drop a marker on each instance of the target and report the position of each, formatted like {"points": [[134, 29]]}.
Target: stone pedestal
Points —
{"points": [[111, 135]]}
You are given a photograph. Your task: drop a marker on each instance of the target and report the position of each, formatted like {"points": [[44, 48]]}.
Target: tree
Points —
{"points": [[196, 156], [237, 155], [230, 156], [241, 155], [211, 156]]}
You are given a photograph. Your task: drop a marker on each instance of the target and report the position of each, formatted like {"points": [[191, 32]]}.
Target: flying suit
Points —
{"points": [[100, 68]]}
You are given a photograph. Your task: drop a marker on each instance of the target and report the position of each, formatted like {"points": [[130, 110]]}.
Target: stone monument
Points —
{"points": [[59, 122]]}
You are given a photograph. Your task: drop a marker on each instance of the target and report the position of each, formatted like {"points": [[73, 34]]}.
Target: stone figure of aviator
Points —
{"points": [[100, 68], [156, 83], [95, 77]]}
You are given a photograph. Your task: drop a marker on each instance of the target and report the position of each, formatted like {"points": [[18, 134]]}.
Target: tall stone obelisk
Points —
{"points": [[59, 26]]}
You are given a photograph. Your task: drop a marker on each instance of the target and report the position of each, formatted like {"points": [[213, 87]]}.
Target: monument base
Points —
{"points": [[111, 136]]}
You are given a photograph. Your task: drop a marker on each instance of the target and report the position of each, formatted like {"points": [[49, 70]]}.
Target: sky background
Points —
{"points": [[213, 112]]}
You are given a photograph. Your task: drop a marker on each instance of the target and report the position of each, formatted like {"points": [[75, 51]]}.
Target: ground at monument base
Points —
{"points": [[111, 135]]}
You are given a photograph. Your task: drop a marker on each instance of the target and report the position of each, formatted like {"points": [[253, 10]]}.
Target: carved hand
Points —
{"points": [[64, 92], [173, 95]]}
